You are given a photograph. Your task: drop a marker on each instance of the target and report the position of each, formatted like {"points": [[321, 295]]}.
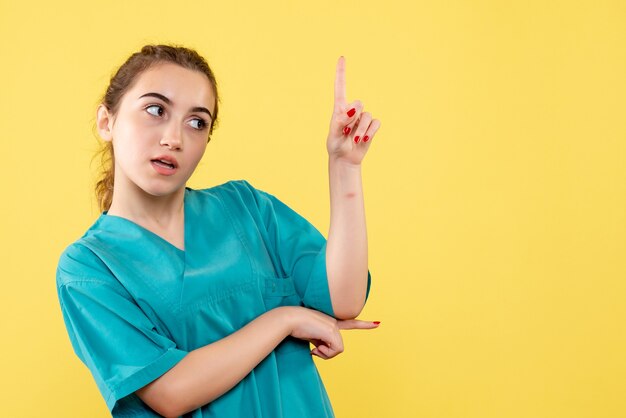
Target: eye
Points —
{"points": [[155, 110], [198, 124]]}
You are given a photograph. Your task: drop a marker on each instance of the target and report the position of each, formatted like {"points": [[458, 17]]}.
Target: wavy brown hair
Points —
{"points": [[123, 80]]}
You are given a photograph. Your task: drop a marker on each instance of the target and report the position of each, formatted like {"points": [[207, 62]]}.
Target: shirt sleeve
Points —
{"points": [[109, 332], [299, 247]]}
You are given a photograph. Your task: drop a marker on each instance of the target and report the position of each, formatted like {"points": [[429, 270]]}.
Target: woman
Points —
{"points": [[203, 303]]}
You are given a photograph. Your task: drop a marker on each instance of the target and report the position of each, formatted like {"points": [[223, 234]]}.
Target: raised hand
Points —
{"points": [[351, 129]]}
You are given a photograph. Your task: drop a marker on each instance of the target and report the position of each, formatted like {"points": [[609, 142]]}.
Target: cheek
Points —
{"points": [[140, 129], [138, 135], [197, 150]]}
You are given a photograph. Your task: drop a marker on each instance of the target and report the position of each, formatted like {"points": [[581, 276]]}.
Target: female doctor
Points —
{"points": [[203, 303]]}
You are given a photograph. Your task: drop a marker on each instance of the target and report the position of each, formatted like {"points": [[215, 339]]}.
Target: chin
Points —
{"points": [[161, 190]]}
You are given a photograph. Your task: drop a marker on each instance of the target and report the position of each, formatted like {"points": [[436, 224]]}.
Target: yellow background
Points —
{"points": [[495, 189]]}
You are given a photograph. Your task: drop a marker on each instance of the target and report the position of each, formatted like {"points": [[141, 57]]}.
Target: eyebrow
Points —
{"points": [[168, 101]]}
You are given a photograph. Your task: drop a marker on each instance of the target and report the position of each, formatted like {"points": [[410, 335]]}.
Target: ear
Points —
{"points": [[104, 123]]}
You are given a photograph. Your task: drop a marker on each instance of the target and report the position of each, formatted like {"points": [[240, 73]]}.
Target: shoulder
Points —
{"points": [[233, 192], [82, 276], [79, 264], [231, 186]]}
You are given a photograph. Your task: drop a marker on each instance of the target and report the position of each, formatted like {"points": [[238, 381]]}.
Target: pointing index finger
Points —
{"points": [[340, 81], [357, 324]]}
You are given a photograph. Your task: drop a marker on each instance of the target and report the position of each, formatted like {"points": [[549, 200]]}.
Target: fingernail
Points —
{"points": [[377, 322], [365, 138], [351, 112], [356, 139], [346, 130]]}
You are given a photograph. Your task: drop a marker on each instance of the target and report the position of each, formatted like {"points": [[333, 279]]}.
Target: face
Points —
{"points": [[161, 129]]}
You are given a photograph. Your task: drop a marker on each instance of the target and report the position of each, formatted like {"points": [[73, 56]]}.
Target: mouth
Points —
{"points": [[164, 163]]}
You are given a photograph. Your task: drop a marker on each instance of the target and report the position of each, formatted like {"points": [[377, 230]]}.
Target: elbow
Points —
{"points": [[347, 314], [165, 407], [348, 310], [348, 299], [169, 410], [160, 397], [348, 305]]}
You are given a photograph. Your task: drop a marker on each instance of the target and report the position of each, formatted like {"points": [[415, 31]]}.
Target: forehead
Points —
{"points": [[184, 87]]}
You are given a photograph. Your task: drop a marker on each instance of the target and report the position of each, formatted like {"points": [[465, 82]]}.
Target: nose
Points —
{"points": [[172, 137]]}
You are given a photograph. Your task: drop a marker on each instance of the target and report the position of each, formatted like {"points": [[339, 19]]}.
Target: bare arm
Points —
{"points": [[210, 371], [346, 249], [350, 136]]}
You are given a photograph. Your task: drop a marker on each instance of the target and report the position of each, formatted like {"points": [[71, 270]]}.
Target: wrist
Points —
{"points": [[343, 164], [286, 318]]}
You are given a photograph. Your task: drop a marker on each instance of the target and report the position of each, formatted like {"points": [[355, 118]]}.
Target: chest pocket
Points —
{"points": [[279, 291]]}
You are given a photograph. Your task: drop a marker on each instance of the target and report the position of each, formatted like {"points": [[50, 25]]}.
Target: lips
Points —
{"points": [[164, 165], [166, 161]]}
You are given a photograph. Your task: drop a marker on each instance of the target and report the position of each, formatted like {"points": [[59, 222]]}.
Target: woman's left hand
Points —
{"points": [[351, 129]]}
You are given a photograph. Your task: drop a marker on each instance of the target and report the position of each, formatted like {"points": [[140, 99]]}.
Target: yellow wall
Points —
{"points": [[495, 190]]}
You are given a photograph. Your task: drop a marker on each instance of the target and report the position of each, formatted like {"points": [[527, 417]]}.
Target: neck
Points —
{"points": [[147, 209]]}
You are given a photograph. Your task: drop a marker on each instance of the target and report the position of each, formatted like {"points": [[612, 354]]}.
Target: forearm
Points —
{"points": [[346, 251], [208, 372]]}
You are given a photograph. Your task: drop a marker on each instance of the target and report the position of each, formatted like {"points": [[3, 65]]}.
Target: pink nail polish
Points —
{"points": [[351, 112]]}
